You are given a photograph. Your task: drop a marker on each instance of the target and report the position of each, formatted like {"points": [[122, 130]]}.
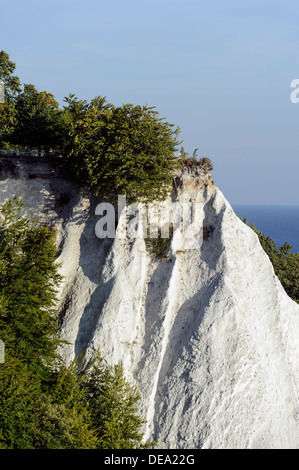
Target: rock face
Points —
{"points": [[208, 334]]}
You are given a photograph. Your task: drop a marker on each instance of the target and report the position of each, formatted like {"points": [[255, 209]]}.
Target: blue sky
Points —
{"points": [[221, 70]]}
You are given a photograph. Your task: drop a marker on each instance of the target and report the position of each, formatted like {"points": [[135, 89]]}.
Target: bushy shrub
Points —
{"points": [[192, 162], [158, 246], [44, 403]]}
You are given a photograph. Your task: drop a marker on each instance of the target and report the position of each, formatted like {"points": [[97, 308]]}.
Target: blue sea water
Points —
{"points": [[281, 223]]}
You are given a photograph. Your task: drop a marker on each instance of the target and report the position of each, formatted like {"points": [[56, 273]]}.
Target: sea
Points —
{"points": [[281, 223]]}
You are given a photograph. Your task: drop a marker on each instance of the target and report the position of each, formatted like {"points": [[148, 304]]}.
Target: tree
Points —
{"points": [[285, 263], [31, 418], [7, 109], [43, 402], [8, 121], [31, 414], [39, 120], [28, 286], [125, 150], [11, 81], [28, 118]]}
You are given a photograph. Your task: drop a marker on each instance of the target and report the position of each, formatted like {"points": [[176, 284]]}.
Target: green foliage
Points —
{"points": [[11, 81], [39, 120], [32, 419], [192, 162], [28, 279], [206, 163], [8, 121], [285, 263], [7, 110], [125, 150], [128, 150], [159, 245], [44, 403], [114, 402]]}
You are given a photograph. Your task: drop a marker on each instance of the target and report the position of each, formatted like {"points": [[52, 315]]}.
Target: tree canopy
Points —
{"points": [[125, 150]]}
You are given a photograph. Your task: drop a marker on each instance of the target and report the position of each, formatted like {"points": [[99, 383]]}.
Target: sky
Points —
{"points": [[221, 70]]}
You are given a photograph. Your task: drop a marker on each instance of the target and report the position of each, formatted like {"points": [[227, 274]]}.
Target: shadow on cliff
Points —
{"points": [[157, 286]]}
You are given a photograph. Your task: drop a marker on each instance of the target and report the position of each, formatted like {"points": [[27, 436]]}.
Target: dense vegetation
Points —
{"points": [[126, 149], [192, 162], [285, 263], [158, 246], [43, 403]]}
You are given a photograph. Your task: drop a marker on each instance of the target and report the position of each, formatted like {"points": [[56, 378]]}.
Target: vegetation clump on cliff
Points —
{"points": [[125, 150], [285, 263]]}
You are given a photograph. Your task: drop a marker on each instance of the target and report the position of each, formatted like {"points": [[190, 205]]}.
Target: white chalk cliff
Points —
{"points": [[208, 335]]}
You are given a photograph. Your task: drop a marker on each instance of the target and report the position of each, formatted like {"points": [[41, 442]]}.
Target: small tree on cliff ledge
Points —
{"points": [[125, 150]]}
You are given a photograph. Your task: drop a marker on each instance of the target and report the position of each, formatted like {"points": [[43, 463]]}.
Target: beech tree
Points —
{"points": [[43, 402], [39, 121], [8, 121], [285, 263], [11, 81], [7, 110]]}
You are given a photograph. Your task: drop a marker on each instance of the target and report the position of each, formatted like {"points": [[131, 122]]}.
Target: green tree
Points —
{"points": [[8, 121], [28, 285], [125, 150], [39, 120], [75, 108], [7, 109], [33, 412], [31, 418], [43, 402], [285, 263], [114, 403]]}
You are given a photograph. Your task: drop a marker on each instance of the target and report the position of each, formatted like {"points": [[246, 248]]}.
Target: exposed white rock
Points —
{"points": [[209, 336]]}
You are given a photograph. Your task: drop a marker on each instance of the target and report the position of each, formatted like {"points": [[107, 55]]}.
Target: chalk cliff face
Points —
{"points": [[208, 334]]}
